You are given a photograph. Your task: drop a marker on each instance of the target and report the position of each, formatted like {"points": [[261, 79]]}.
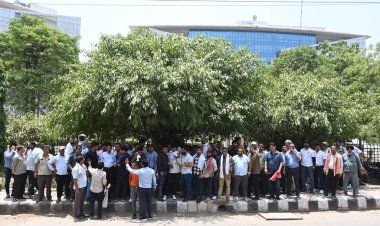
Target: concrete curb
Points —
{"points": [[341, 203]]}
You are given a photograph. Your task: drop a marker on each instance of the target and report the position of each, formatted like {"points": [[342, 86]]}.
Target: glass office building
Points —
{"points": [[266, 44], [68, 24], [265, 40]]}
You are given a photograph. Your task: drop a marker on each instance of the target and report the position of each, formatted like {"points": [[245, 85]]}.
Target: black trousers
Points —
{"points": [[263, 183], [207, 182], [8, 176], [122, 184], [110, 176], [331, 183], [319, 178], [145, 202], [274, 186], [253, 182], [32, 182], [173, 183], [19, 185], [96, 197], [292, 174], [63, 184]]}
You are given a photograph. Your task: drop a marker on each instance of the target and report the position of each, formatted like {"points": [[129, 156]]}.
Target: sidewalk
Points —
{"points": [[368, 198]]}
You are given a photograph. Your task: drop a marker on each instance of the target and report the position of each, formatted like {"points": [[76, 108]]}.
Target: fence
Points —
{"points": [[371, 151]]}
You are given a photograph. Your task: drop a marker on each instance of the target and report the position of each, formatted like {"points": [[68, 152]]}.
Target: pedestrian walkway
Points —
{"points": [[368, 198]]}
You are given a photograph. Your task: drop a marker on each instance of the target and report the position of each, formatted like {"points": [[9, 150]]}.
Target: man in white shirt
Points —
{"points": [[80, 183], [319, 176], [241, 163], [174, 173], [109, 160], [307, 166], [59, 164], [185, 161], [31, 156]]}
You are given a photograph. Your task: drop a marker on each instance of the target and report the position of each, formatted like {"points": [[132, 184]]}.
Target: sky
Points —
{"points": [[97, 20]]}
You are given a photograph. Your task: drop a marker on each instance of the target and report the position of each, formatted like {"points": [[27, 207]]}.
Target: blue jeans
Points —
{"points": [[307, 172], [88, 191], [186, 184], [32, 182], [162, 183]]}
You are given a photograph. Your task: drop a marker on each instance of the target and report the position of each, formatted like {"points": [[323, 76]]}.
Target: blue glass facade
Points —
{"points": [[267, 44]]}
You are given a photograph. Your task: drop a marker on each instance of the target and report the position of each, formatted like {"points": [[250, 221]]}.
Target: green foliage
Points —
{"points": [[164, 87], [34, 56], [30, 128], [2, 111]]}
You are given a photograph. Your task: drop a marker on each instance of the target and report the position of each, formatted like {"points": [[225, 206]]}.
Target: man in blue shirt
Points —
{"points": [[147, 183], [8, 156], [272, 164], [151, 157], [292, 158]]}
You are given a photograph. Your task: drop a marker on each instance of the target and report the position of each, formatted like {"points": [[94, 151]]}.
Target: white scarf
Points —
{"points": [[221, 175]]}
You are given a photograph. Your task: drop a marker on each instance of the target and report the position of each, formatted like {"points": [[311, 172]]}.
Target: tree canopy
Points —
{"points": [[2, 111], [34, 56], [167, 88]]}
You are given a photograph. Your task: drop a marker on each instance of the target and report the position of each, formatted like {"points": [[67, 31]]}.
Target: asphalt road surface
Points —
{"points": [[331, 218]]}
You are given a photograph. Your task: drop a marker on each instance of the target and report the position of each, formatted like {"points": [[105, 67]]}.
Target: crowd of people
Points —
{"points": [[87, 169]]}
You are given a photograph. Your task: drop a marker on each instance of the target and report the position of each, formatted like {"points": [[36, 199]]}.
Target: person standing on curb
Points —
{"points": [[254, 168], [8, 159], [19, 173], [333, 170], [292, 172], [80, 183], [134, 188], [31, 157], [351, 166], [162, 170], [98, 183], [43, 174], [273, 164], [60, 164], [241, 173], [147, 184]]}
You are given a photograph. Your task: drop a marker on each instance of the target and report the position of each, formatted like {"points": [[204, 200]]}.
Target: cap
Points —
{"points": [[254, 143], [288, 142]]}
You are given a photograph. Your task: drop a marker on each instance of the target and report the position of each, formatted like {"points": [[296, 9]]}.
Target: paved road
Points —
{"points": [[356, 218]]}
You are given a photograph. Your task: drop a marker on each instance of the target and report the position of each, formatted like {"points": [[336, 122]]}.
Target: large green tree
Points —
{"points": [[34, 56], [2, 111], [314, 94], [166, 88]]}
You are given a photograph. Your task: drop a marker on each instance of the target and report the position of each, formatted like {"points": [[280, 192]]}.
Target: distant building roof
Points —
{"points": [[320, 33]]}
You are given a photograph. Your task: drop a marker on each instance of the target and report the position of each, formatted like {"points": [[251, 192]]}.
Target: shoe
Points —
{"points": [[134, 216], [150, 217], [256, 198], [207, 199], [39, 200], [143, 219], [321, 192], [130, 200], [213, 197], [164, 198], [58, 200], [345, 193], [8, 196], [298, 196], [278, 197], [271, 197], [184, 200], [199, 200], [14, 200], [174, 198], [235, 199], [333, 196]]}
